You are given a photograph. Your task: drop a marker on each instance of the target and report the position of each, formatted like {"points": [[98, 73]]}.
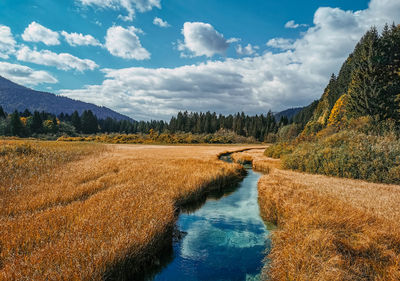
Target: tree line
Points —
{"points": [[25, 124]]}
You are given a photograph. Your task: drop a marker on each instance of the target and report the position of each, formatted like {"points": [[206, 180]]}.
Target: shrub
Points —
{"points": [[349, 154], [278, 150], [289, 132]]}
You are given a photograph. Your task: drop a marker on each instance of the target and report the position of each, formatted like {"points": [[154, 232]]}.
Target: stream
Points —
{"points": [[222, 238]]}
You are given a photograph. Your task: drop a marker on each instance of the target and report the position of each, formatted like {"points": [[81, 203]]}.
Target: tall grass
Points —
{"points": [[257, 159], [90, 215], [330, 228], [27, 160]]}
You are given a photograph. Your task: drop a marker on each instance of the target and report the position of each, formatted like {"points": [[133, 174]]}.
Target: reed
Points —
{"points": [[91, 213], [330, 228]]}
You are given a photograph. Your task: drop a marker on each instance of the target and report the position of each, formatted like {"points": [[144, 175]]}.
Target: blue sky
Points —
{"points": [[150, 58]]}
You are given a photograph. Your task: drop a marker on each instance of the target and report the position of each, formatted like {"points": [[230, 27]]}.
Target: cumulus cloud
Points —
{"points": [[280, 43], [78, 39], [61, 61], [275, 80], [247, 84], [201, 39], [248, 50], [129, 5], [160, 22], [7, 42], [25, 75], [125, 43], [292, 24], [38, 33]]}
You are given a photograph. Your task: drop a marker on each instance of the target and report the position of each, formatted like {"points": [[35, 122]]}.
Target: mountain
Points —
{"points": [[17, 97], [289, 113]]}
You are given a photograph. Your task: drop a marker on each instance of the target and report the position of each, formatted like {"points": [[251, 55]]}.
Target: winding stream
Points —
{"points": [[224, 239]]}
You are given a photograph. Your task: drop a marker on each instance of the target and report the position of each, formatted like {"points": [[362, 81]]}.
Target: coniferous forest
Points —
{"points": [[353, 130], [26, 124]]}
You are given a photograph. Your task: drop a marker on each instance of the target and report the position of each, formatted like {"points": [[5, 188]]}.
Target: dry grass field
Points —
{"points": [[79, 211], [329, 228]]}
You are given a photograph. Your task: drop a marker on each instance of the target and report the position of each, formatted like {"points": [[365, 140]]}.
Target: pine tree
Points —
{"points": [[76, 121], [54, 125], [89, 122], [365, 88], [16, 124], [37, 123], [389, 59], [2, 113], [26, 113]]}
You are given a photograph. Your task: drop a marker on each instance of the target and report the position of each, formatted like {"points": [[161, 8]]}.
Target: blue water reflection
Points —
{"points": [[226, 239]]}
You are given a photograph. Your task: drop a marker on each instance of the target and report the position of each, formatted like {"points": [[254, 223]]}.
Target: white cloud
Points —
{"points": [[61, 61], [281, 43], [38, 33], [294, 75], [201, 39], [293, 25], [249, 50], [7, 42], [160, 22], [233, 40], [129, 5], [24, 75], [78, 39], [125, 43]]}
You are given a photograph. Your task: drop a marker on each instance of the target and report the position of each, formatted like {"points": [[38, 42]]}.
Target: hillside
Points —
{"points": [[289, 113], [353, 130], [368, 85], [14, 96]]}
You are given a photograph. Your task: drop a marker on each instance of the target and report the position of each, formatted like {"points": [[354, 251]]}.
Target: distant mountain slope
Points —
{"points": [[14, 96], [289, 113]]}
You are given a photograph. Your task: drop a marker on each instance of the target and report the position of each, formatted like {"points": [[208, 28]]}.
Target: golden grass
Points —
{"points": [[90, 214], [330, 228], [259, 161]]}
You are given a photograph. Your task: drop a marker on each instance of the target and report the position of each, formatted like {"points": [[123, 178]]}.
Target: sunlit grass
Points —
{"points": [[329, 228], [91, 207]]}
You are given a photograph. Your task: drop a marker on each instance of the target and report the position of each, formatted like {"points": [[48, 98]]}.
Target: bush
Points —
{"points": [[312, 128], [221, 137], [278, 150], [289, 132], [349, 154]]}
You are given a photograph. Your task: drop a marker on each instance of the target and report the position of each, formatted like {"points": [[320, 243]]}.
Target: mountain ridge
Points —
{"points": [[17, 97]]}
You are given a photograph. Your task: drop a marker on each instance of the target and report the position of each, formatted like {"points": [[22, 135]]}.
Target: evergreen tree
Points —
{"points": [[37, 123], [3, 115], [16, 126], [26, 113], [76, 121], [54, 125], [89, 122], [365, 88], [389, 59]]}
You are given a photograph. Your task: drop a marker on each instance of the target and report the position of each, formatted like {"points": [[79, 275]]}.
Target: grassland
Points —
{"points": [[328, 228], [72, 211]]}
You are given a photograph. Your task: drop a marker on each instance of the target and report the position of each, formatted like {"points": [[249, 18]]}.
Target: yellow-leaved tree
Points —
{"points": [[337, 117]]}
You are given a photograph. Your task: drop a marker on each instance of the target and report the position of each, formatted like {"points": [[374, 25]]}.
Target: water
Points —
{"points": [[225, 239]]}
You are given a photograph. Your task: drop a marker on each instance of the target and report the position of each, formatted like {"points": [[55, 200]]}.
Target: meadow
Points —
{"points": [[84, 211], [328, 228]]}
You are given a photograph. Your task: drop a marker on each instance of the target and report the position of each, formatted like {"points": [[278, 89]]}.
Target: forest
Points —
{"points": [[36, 124], [353, 130]]}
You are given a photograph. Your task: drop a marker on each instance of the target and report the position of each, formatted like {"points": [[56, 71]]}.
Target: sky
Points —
{"points": [[149, 59]]}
